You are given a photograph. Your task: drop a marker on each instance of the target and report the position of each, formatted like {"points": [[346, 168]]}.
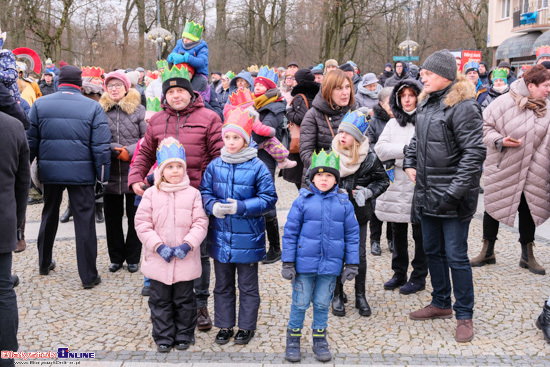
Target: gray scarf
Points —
{"points": [[371, 94], [189, 46], [241, 156]]}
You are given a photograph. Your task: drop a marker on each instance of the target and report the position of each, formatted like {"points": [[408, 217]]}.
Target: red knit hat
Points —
{"points": [[268, 83]]}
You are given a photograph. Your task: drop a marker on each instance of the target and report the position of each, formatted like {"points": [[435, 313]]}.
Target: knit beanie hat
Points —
{"points": [[170, 150], [331, 62], [347, 67], [303, 75], [240, 122], [355, 123], [268, 84], [177, 82], [70, 75], [442, 63], [133, 77], [317, 71], [120, 75]]}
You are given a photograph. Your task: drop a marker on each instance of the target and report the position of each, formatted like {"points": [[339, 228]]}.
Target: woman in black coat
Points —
{"points": [[303, 94]]}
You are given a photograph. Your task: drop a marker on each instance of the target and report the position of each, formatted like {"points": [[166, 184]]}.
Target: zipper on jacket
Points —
{"points": [[446, 139]]}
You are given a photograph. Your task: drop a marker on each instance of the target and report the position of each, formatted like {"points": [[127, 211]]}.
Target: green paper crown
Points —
{"points": [[153, 104], [192, 30], [162, 64], [175, 72], [230, 74], [501, 73], [323, 159]]}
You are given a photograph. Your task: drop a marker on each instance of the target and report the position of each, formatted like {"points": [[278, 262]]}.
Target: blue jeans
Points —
{"points": [[446, 246], [305, 289]]}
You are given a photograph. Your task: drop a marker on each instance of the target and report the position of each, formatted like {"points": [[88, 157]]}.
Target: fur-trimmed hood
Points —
{"points": [[459, 90], [129, 104], [400, 115]]}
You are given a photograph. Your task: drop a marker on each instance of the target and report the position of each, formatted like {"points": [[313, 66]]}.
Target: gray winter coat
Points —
{"points": [[127, 124], [363, 97]]}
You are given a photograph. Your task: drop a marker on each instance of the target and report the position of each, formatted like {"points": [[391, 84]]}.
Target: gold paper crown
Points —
{"points": [[253, 68]]}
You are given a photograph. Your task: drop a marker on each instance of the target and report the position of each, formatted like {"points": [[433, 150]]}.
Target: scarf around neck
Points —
{"points": [[537, 105], [168, 187], [346, 168], [263, 100], [188, 46], [241, 156]]}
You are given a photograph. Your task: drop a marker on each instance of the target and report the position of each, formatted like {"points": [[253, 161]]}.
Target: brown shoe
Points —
{"points": [[528, 260], [21, 244], [431, 312], [204, 323], [464, 330], [486, 256]]}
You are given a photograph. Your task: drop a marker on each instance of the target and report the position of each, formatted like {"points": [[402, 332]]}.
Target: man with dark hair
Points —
{"points": [[15, 180], [445, 164], [70, 137]]}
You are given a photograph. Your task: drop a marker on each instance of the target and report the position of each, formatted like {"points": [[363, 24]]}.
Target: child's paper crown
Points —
{"points": [[230, 74], [331, 160], [177, 71], [253, 68], [271, 74], [242, 98], [357, 121], [239, 121], [92, 71], [162, 64], [542, 51], [152, 75], [471, 65], [192, 30], [153, 104], [171, 149], [500, 73]]}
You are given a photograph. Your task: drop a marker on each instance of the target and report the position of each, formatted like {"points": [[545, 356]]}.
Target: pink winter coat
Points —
{"points": [[171, 218], [511, 171]]}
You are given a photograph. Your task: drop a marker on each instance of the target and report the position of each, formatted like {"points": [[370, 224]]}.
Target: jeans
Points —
{"points": [[526, 224], [446, 246], [9, 319], [305, 289]]}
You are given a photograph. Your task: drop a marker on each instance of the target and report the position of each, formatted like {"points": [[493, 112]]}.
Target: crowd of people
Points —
{"points": [[191, 165]]}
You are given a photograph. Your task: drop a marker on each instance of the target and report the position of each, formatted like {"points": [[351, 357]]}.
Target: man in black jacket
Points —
{"points": [[15, 180], [444, 159]]}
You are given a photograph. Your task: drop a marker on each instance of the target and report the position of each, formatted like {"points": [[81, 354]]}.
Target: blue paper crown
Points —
{"points": [[471, 65], [173, 150], [268, 73], [356, 119]]}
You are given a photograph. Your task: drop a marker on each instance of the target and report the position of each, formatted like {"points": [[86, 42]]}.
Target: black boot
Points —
{"points": [[292, 353], [274, 253], [99, 218], [67, 215], [360, 294], [338, 307], [543, 322]]}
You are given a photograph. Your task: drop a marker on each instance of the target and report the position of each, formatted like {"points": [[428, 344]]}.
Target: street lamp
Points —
{"points": [[409, 7], [159, 35]]}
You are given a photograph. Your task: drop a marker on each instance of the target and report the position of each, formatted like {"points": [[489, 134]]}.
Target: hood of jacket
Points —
{"points": [[400, 115], [388, 74], [308, 88], [380, 113], [323, 106], [129, 104], [244, 75], [459, 90], [494, 94]]}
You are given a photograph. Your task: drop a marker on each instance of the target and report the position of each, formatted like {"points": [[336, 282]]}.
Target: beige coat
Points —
{"points": [[511, 171], [394, 205]]}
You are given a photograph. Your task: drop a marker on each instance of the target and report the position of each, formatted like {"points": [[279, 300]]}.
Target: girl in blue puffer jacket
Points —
{"points": [[237, 189], [321, 234]]}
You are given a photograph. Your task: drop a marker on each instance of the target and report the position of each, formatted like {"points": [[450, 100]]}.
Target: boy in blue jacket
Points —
{"points": [[190, 49], [321, 234]]}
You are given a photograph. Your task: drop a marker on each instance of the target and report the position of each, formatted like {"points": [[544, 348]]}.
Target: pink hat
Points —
{"points": [[117, 75]]}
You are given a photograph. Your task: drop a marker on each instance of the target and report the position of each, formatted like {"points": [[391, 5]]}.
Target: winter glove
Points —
{"points": [[165, 252], [447, 204], [405, 149], [350, 272], [100, 189], [182, 250], [361, 195], [289, 271], [176, 58], [218, 210], [123, 154]]}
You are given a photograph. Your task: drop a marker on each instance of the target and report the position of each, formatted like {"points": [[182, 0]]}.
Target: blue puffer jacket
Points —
{"points": [[198, 56], [70, 136], [321, 232], [238, 238]]}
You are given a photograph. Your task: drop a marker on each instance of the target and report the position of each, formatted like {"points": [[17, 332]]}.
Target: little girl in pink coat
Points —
{"points": [[171, 224]]}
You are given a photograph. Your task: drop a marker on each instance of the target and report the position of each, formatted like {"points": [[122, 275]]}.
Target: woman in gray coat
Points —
{"points": [[126, 117]]}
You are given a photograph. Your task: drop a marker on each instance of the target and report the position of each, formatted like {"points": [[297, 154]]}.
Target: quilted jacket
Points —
{"points": [[512, 171], [321, 232], [198, 56], [238, 238], [197, 128], [127, 125]]}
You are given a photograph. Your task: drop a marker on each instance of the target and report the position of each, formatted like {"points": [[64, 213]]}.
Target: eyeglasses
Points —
{"points": [[290, 78], [115, 85]]}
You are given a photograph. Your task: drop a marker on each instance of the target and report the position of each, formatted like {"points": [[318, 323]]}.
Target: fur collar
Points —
{"points": [[460, 90], [309, 88], [129, 104]]}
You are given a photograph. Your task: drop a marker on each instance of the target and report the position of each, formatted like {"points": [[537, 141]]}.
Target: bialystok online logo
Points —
{"points": [[62, 353]]}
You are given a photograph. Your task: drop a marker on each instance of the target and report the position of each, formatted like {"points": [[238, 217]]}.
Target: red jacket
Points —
{"points": [[197, 128]]}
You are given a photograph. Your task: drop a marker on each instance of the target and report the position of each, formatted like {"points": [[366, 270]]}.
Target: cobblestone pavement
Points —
{"points": [[113, 318]]}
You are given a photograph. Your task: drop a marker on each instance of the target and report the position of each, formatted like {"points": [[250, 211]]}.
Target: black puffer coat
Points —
{"points": [[315, 132], [447, 151], [127, 124], [377, 124], [295, 113], [372, 175]]}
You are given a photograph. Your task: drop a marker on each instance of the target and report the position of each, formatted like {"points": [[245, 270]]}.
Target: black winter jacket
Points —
{"points": [[447, 151], [372, 175], [377, 124], [491, 96]]}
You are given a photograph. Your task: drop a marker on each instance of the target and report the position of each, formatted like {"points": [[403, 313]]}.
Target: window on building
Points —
{"points": [[505, 9], [524, 6], [542, 4]]}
